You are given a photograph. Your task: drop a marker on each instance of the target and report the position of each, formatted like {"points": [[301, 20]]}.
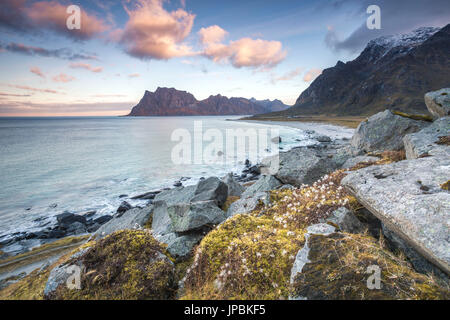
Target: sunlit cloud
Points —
{"points": [[34, 89], [81, 65], [312, 74], [287, 76], [134, 75], [37, 72], [62, 77]]}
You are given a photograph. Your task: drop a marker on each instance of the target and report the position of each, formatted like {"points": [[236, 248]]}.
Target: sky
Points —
{"points": [[261, 49]]}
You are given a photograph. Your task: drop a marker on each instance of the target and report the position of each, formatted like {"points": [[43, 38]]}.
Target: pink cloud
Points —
{"points": [[153, 32], [211, 35], [53, 16], [34, 89], [312, 74], [288, 76], [37, 72], [134, 75], [62, 77], [86, 66]]}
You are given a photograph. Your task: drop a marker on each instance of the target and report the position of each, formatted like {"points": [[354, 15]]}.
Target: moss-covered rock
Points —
{"points": [[338, 269], [127, 264]]}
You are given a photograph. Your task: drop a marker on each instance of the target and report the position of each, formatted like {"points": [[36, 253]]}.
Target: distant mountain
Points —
{"points": [[392, 72], [271, 105], [172, 102]]}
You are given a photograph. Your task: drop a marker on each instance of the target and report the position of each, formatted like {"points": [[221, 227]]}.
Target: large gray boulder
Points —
{"points": [[161, 223], [192, 216], [246, 205], [438, 102], [408, 198], [176, 195], [211, 189], [264, 183], [346, 221], [358, 159], [235, 189], [132, 219], [180, 246], [304, 165], [423, 143], [384, 131]]}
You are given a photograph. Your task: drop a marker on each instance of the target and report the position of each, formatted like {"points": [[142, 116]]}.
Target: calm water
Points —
{"points": [[49, 165]]}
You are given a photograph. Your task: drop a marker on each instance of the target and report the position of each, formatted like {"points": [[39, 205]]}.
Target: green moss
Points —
{"points": [[125, 265], [414, 116], [446, 185], [338, 270]]}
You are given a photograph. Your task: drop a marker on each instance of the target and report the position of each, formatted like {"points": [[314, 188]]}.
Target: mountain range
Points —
{"points": [[392, 72], [172, 102]]}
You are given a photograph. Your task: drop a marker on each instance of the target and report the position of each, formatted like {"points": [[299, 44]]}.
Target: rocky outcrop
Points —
{"points": [[358, 159], [345, 221], [438, 102], [246, 205], [428, 141], [384, 131], [408, 198], [235, 189]]}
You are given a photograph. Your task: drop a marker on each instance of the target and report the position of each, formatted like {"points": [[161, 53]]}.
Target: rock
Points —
{"points": [[424, 142], [67, 218], [264, 183], [407, 197], [276, 139], [384, 131], [323, 138], [132, 219], [181, 247], [417, 260], [88, 214], [188, 217], [346, 221], [211, 189], [302, 165], [246, 205], [161, 223], [176, 195], [103, 219], [76, 228], [302, 255], [234, 188], [177, 184], [438, 102], [286, 187], [355, 160], [94, 227], [124, 206], [147, 196], [56, 234]]}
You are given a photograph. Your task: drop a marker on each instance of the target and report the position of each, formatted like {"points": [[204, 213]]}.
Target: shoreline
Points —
{"points": [[348, 122]]}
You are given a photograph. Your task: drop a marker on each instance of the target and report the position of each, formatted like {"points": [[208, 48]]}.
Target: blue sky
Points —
{"points": [[261, 49]]}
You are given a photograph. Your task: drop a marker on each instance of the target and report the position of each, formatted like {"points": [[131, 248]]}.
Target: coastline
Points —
{"points": [[349, 122]]}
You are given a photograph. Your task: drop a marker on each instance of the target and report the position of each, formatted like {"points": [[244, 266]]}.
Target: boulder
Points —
{"points": [[264, 183], [355, 160], [426, 141], [161, 222], [132, 219], [76, 228], [67, 218], [176, 195], [302, 165], [103, 219], [193, 216], [346, 221], [323, 138], [438, 102], [246, 205], [211, 189], [234, 188], [384, 131], [124, 206], [408, 198], [180, 247]]}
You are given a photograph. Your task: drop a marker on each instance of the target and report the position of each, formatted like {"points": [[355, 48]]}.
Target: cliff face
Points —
{"points": [[172, 102], [392, 72]]}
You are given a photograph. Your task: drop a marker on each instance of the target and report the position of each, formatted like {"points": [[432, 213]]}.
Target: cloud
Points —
{"points": [[34, 89], [3, 94], [134, 75], [312, 74], [108, 95], [154, 33], [287, 76], [398, 16], [62, 77], [211, 35], [81, 65], [37, 72], [63, 53], [48, 15]]}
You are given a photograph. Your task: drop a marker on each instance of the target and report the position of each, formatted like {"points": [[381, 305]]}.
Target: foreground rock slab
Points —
{"points": [[408, 198], [438, 102]]}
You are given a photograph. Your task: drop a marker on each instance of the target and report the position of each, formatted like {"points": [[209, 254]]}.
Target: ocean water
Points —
{"points": [[50, 165]]}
